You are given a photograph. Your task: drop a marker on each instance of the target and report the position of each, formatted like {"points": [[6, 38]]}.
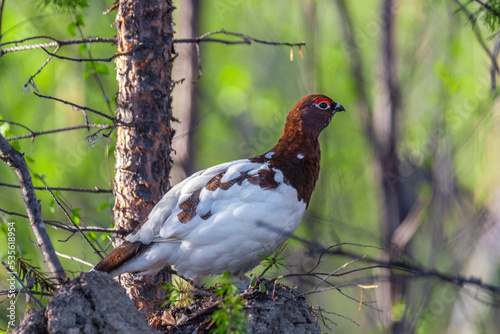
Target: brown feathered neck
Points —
{"points": [[297, 154]]}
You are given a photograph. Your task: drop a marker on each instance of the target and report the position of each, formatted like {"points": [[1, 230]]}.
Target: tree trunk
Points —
{"points": [[185, 68], [386, 126], [143, 150]]}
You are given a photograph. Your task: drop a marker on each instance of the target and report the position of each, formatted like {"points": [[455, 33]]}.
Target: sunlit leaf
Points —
{"points": [[101, 69], [79, 20], [71, 28], [86, 74]]}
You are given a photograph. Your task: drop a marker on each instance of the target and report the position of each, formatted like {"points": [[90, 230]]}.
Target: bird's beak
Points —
{"points": [[338, 107]]}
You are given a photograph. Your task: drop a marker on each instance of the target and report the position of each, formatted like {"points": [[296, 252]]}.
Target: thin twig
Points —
{"points": [[57, 224], [245, 39], [5, 292], [96, 74], [485, 5], [115, 120], [54, 42], [106, 60], [336, 271], [74, 224], [94, 191], [418, 271], [1, 17], [18, 124], [203, 38], [22, 284], [75, 259], [16, 161], [69, 128], [31, 81], [477, 32]]}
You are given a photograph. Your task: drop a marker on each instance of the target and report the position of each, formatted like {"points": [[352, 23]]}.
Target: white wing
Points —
{"points": [[163, 223]]}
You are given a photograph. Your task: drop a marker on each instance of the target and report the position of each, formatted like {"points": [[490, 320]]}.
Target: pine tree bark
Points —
{"points": [[143, 149]]}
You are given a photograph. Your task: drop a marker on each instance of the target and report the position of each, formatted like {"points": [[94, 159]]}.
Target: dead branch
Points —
{"points": [[75, 259], [74, 224], [16, 161], [106, 60], [201, 39], [54, 42], [244, 39], [69, 128], [115, 120], [94, 191], [57, 224], [414, 269]]}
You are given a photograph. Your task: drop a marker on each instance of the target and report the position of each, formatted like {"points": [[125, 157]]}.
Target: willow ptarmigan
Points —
{"points": [[221, 218]]}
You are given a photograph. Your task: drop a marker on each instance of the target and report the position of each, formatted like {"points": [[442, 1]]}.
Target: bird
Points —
{"points": [[226, 217]]}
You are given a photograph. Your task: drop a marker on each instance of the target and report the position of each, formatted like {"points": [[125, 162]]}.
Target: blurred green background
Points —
{"points": [[243, 97]]}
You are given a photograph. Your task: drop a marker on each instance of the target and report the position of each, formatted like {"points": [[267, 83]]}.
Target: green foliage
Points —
{"points": [[230, 317], [52, 204], [75, 215], [76, 24], [64, 5], [108, 204], [180, 293], [91, 236], [398, 310], [490, 13], [95, 67], [33, 277], [274, 261]]}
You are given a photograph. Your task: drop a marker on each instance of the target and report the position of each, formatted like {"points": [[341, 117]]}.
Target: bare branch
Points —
{"points": [[94, 191], [31, 81], [201, 39], [244, 39], [18, 124], [75, 259], [106, 60], [1, 17], [57, 224], [54, 42], [115, 120], [416, 270], [69, 128], [74, 224], [15, 160]]}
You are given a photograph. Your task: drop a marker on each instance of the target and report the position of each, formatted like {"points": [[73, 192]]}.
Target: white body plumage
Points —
{"points": [[230, 226]]}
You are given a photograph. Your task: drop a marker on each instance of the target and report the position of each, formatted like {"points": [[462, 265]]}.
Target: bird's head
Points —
{"points": [[313, 113]]}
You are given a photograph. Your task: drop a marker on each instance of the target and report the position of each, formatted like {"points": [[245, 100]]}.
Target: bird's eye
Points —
{"points": [[323, 105]]}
